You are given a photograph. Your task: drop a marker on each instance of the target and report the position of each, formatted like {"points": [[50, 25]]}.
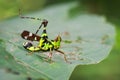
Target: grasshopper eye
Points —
{"points": [[27, 45]]}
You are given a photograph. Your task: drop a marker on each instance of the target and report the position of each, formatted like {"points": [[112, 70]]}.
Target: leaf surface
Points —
{"points": [[87, 39]]}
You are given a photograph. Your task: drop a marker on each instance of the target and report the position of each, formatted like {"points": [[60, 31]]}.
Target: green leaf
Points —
{"points": [[87, 39], [4, 75], [8, 61]]}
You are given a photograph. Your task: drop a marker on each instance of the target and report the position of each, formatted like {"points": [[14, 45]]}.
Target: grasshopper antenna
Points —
{"points": [[44, 21], [26, 17]]}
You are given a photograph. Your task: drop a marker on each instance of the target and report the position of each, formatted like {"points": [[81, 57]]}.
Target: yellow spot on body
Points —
{"points": [[34, 48]]}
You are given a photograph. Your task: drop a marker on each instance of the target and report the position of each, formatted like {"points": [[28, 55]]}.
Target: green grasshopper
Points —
{"points": [[44, 43]]}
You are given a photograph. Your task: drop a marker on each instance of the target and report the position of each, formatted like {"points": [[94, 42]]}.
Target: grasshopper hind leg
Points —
{"points": [[64, 55]]}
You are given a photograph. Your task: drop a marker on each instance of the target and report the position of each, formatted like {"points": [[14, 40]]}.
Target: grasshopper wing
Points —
{"points": [[30, 36]]}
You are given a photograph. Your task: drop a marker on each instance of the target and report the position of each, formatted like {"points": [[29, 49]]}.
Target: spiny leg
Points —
{"points": [[50, 54], [44, 37], [49, 57], [29, 53], [63, 54], [44, 23], [44, 33]]}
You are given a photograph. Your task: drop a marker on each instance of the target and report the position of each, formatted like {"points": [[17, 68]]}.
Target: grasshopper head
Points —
{"points": [[57, 42]]}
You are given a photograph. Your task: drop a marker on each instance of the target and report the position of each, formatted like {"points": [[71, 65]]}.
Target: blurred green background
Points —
{"points": [[105, 70]]}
